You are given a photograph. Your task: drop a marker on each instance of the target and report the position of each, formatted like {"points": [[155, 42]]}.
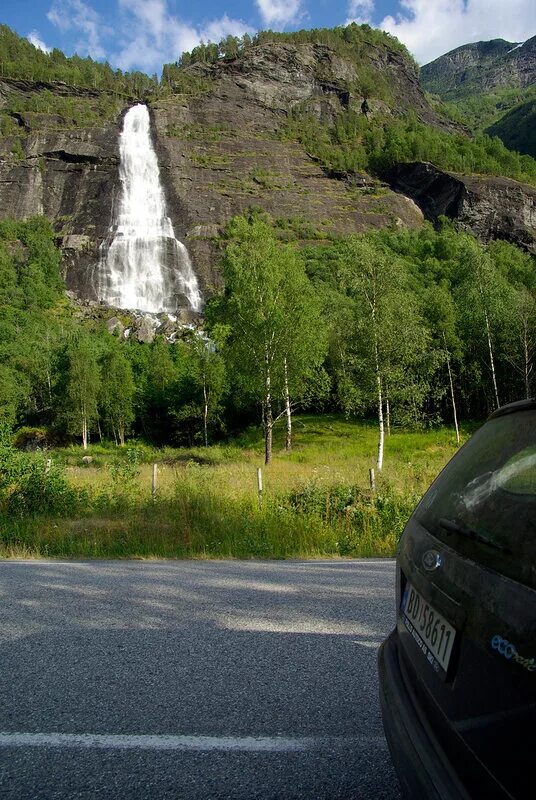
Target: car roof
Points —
{"points": [[512, 408]]}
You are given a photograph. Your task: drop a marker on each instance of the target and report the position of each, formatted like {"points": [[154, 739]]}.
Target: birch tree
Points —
{"points": [[521, 347], [484, 299], [82, 387], [389, 340], [440, 312], [271, 315], [117, 392], [205, 372]]}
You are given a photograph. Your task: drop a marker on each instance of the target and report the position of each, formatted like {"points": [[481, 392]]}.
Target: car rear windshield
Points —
{"points": [[484, 502]]}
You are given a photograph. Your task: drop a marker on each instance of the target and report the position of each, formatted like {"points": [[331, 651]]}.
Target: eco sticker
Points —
{"points": [[509, 651]]}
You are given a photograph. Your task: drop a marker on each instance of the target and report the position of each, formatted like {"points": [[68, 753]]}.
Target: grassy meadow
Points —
{"points": [[316, 500]]}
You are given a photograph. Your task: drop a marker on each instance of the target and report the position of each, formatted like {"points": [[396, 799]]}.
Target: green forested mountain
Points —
{"points": [[490, 87]]}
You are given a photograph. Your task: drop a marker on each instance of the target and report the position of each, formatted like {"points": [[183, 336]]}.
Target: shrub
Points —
{"points": [[30, 438], [30, 484]]}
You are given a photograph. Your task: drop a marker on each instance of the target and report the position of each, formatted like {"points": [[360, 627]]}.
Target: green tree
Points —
{"points": [[117, 392], [440, 313], [82, 386], [390, 344], [207, 373], [269, 312], [484, 300]]}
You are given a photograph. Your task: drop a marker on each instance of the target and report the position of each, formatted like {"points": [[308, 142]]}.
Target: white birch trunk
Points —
{"points": [[526, 360], [453, 399], [288, 411], [488, 334], [491, 359], [205, 414], [268, 416], [381, 437]]}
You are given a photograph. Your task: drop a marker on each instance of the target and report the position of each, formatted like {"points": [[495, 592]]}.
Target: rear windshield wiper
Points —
{"points": [[469, 533]]}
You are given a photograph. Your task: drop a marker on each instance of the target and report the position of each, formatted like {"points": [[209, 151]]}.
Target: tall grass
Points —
{"points": [[316, 500]]}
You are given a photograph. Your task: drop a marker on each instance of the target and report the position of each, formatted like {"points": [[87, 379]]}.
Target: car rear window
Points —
{"points": [[484, 502]]}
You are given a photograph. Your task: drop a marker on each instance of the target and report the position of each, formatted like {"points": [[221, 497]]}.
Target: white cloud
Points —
{"points": [[151, 35], [432, 27], [359, 11], [75, 15], [35, 38], [279, 12]]}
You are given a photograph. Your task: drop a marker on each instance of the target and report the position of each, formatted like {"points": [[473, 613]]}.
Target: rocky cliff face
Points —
{"points": [[220, 152], [69, 175], [488, 207]]}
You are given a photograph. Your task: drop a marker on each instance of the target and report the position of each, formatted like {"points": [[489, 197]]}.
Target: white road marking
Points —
{"points": [[252, 744]]}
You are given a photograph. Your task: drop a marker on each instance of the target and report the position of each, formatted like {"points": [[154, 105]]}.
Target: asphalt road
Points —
{"points": [[193, 680]]}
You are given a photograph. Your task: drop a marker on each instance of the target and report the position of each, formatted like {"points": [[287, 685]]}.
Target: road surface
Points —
{"points": [[193, 680]]}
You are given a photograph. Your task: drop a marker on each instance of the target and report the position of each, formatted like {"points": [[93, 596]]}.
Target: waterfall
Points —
{"points": [[142, 265]]}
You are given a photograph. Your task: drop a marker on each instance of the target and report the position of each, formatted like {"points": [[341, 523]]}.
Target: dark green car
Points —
{"points": [[458, 673]]}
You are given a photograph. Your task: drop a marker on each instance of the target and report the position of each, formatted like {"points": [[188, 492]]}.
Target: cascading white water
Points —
{"points": [[142, 265]]}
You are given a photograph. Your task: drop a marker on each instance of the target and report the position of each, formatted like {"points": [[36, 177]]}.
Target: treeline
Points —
{"points": [[410, 327], [19, 59], [348, 41]]}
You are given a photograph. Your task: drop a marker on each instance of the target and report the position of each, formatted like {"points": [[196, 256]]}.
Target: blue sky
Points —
{"points": [[144, 34]]}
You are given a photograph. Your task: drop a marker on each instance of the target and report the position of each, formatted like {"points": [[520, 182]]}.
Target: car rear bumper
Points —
{"points": [[422, 767]]}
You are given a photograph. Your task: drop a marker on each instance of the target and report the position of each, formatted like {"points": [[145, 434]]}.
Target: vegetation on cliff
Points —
{"points": [[347, 41], [373, 131], [358, 142], [518, 126], [361, 138], [22, 61]]}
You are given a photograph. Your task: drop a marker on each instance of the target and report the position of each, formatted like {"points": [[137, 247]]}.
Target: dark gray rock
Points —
{"points": [[487, 206]]}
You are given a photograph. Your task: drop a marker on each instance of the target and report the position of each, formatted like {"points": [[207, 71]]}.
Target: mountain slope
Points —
{"points": [[517, 128], [481, 67], [491, 86]]}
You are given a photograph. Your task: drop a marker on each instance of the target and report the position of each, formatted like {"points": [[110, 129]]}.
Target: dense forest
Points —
{"points": [[417, 327]]}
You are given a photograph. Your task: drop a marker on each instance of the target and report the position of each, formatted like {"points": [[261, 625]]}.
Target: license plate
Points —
{"points": [[433, 634]]}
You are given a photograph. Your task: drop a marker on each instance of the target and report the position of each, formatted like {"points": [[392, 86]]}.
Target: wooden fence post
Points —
{"points": [[259, 483], [155, 472]]}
